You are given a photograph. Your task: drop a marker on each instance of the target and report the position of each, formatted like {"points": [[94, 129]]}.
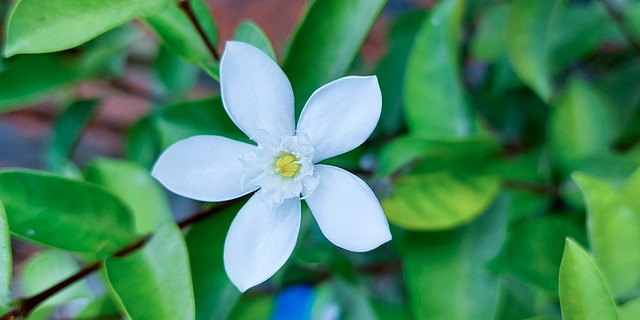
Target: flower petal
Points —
{"points": [[347, 211], [205, 168], [256, 93], [341, 115], [260, 240]]}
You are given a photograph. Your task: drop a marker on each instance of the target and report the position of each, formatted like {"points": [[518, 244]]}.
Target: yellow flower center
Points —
{"points": [[287, 166]]}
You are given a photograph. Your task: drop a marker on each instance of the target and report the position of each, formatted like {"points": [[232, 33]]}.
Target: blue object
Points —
{"points": [[294, 303]]}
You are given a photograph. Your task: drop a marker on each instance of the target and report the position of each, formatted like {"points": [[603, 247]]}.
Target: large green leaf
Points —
{"points": [[5, 259], [435, 105], [439, 200], [36, 26], [67, 132], [614, 232], [630, 310], [579, 125], [63, 213], [533, 250], [178, 33], [326, 43], [583, 292], [155, 282], [445, 272], [215, 295], [529, 26], [249, 32], [135, 186]]}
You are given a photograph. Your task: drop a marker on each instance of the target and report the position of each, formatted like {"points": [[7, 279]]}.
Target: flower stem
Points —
{"points": [[186, 7]]}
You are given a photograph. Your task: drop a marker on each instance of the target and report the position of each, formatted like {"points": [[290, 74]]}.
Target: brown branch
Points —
{"points": [[186, 7], [618, 18], [28, 304]]}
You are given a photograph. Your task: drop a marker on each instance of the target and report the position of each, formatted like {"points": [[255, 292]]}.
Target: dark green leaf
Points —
{"points": [[614, 231], [214, 293], [155, 282], [67, 131], [437, 109], [533, 250], [529, 26], [445, 272], [63, 213], [37, 27], [143, 142], [249, 32], [583, 292], [135, 186], [439, 200], [254, 308], [326, 43], [176, 75], [5, 259], [350, 301]]}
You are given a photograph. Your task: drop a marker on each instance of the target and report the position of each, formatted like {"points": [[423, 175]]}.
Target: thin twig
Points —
{"points": [[618, 18], [28, 304], [186, 7]]}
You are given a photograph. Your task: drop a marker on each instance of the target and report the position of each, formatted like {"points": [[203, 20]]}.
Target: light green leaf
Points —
{"points": [[249, 32], [439, 200], [63, 213], [5, 259], [326, 43], [45, 269], [445, 272], [437, 109], [215, 295], [583, 292], [37, 27], [178, 33], [134, 185], [155, 282], [533, 250], [529, 28], [67, 131], [614, 232], [579, 125]]}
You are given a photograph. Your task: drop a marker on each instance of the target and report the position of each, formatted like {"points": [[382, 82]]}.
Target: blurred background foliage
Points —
{"points": [[506, 157]]}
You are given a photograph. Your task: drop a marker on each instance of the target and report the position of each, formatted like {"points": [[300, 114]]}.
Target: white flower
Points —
{"points": [[283, 166]]}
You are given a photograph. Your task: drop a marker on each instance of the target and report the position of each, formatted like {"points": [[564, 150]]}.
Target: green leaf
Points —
{"points": [[176, 75], [488, 44], [579, 125], [67, 131], [36, 27], [439, 200], [434, 154], [445, 272], [178, 33], [614, 231], [519, 301], [63, 213], [583, 292], [349, 299], [143, 142], [326, 43], [30, 78], [45, 269], [437, 109], [186, 119], [630, 310], [100, 307], [254, 308], [155, 282], [391, 71], [214, 293], [249, 32], [137, 189], [5, 259], [529, 29], [533, 250]]}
